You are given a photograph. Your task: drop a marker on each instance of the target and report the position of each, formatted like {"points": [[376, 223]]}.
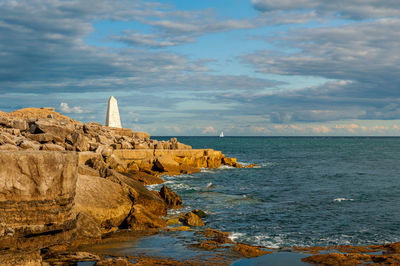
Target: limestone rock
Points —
{"points": [[115, 163], [142, 219], [171, 198], [142, 195], [8, 147], [52, 147], [107, 202], [87, 227], [29, 145], [36, 197], [166, 164], [191, 219]]}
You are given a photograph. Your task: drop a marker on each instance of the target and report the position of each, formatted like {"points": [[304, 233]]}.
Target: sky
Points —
{"points": [[177, 68]]}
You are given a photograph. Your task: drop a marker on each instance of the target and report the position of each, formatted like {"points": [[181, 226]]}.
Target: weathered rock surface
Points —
{"points": [[36, 197], [141, 219], [107, 202], [171, 198], [191, 219]]}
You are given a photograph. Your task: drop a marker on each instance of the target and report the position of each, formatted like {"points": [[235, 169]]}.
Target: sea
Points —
{"points": [[306, 191]]}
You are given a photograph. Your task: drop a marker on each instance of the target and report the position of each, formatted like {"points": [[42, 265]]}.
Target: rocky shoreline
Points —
{"points": [[67, 185]]}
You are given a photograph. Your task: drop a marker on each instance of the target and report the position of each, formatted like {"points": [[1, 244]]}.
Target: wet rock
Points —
{"points": [[249, 251], [199, 213], [171, 198], [114, 262], [191, 219]]}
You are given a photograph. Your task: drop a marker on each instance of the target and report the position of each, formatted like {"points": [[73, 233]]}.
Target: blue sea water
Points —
{"points": [[308, 191]]}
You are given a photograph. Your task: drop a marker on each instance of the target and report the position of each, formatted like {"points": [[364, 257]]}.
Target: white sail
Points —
{"points": [[221, 135]]}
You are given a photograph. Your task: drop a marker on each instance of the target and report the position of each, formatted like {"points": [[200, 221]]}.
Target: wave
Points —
{"points": [[342, 199]]}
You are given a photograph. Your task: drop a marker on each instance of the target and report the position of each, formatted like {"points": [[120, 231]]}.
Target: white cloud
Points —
{"points": [[64, 107]]}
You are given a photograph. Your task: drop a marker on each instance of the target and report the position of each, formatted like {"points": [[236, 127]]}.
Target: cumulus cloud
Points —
{"points": [[64, 107], [209, 130]]}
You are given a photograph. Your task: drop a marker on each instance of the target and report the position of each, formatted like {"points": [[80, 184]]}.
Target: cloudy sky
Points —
{"points": [[247, 67]]}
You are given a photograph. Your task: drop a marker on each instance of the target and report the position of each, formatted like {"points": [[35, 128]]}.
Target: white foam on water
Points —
{"points": [[268, 241], [205, 170], [226, 167], [210, 185], [233, 236], [341, 199]]}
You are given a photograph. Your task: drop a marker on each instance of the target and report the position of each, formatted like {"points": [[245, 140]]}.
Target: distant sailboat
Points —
{"points": [[221, 135]]}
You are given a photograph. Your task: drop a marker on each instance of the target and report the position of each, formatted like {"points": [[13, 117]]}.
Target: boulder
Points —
{"points": [[52, 147], [29, 145], [141, 219], [8, 147], [166, 164], [154, 204], [107, 202], [171, 198], [116, 163], [80, 142], [53, 127], [141, 135], [191, 219]]}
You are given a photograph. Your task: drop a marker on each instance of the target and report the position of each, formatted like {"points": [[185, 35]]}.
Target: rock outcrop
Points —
{"points": [[36, 198], [63, 181]]}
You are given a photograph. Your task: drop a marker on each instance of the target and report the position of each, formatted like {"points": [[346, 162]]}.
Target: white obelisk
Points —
{"points": [[112, 118]]}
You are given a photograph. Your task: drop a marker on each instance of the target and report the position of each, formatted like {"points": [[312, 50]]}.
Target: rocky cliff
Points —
{"points": [[65, 181]]}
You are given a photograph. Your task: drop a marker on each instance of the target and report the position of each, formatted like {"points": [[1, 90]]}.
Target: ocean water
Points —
{"points": [[308, 191]]}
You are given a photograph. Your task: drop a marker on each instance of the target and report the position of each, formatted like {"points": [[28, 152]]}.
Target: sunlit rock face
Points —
{"points": [[112, 118]]}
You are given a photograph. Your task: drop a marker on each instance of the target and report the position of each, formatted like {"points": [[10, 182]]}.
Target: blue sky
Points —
{"points": [[247, 67]]}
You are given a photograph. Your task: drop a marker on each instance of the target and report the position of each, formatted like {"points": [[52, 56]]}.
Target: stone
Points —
{"points": [[142, 135], [142, 219], [249, 251], [87, 227], [166, 164], [191, 219], [26, 258], [8, 147], [107, 202], [80, 142], [42, 137], [171, 198], [154, 204], [36, 198], [104, 150], [52, 147], [115, 262], [29, 145], [115, 163], [112, 118], [199, 213], [20, 124], [86, 170]]}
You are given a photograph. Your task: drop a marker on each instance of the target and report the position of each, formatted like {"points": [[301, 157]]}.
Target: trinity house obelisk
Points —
{"points": [[112, 118]]}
